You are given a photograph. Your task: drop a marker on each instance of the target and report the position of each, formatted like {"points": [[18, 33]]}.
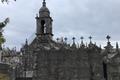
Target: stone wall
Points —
{"points": [[5, 72], [68, 65]]}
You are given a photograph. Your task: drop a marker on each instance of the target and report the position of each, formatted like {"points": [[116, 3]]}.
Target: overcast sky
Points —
{"points": [[97, 18]]}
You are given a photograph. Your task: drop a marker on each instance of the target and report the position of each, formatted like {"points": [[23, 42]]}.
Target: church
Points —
{"points": [[46, 59]]}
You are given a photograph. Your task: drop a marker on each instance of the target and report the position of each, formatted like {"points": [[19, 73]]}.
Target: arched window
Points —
{"points": [[42, 26]]}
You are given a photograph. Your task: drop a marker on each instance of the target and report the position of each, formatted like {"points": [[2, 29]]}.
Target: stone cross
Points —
{"points": [[82, 38], [57, 39], [65, 39], [90, 38], [108, 38], [73, 39], [44, 3]]}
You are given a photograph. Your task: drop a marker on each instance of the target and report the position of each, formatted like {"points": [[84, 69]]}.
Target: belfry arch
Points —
{"points": [[43, 29]]}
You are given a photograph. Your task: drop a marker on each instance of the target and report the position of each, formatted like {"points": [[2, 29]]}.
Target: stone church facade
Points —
{"points": [[46, 59]]}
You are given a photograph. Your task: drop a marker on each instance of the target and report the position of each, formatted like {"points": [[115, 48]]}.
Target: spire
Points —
{"points": [[82, 39], [73, 45], [44, 3], [109, 47], [90, 45], [82, 44], [26, 42], [73, 40], [25, 47], [117, 47]]}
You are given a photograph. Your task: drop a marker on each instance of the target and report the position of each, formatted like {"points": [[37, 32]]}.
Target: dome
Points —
{"points": [[44, 9]]}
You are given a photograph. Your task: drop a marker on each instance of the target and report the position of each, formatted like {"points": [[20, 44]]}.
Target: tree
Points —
{"points": [[2, 25]]}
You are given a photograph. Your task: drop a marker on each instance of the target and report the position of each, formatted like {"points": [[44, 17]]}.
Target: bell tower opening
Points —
{"points": [[43, 26]]}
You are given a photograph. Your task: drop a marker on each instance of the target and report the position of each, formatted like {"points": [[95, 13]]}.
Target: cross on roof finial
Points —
{"points": [[82, 38], [90, 38], [117, 46], [73, 39], [44, 3], [82, 44], [26, 41], [108, 38], [57, 39], [65, 38]]}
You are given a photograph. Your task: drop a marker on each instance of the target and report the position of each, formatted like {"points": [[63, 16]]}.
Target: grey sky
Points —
{"points": [[71, 18]]}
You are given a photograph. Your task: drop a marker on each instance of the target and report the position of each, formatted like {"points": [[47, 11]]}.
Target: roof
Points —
{"points": [[44, 9]]}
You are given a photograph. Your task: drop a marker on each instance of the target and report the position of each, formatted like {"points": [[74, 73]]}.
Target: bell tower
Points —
{"points": [[44, 23]]}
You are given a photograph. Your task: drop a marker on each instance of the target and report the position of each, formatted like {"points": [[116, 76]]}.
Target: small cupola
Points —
{"points": [[44, 11]]}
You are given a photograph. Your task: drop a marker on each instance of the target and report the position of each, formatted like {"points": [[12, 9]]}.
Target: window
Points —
{"points": [[43, 26]]}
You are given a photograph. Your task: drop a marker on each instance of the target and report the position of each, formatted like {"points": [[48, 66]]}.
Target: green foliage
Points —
{"points": [[2, 25], [2, 39]]}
